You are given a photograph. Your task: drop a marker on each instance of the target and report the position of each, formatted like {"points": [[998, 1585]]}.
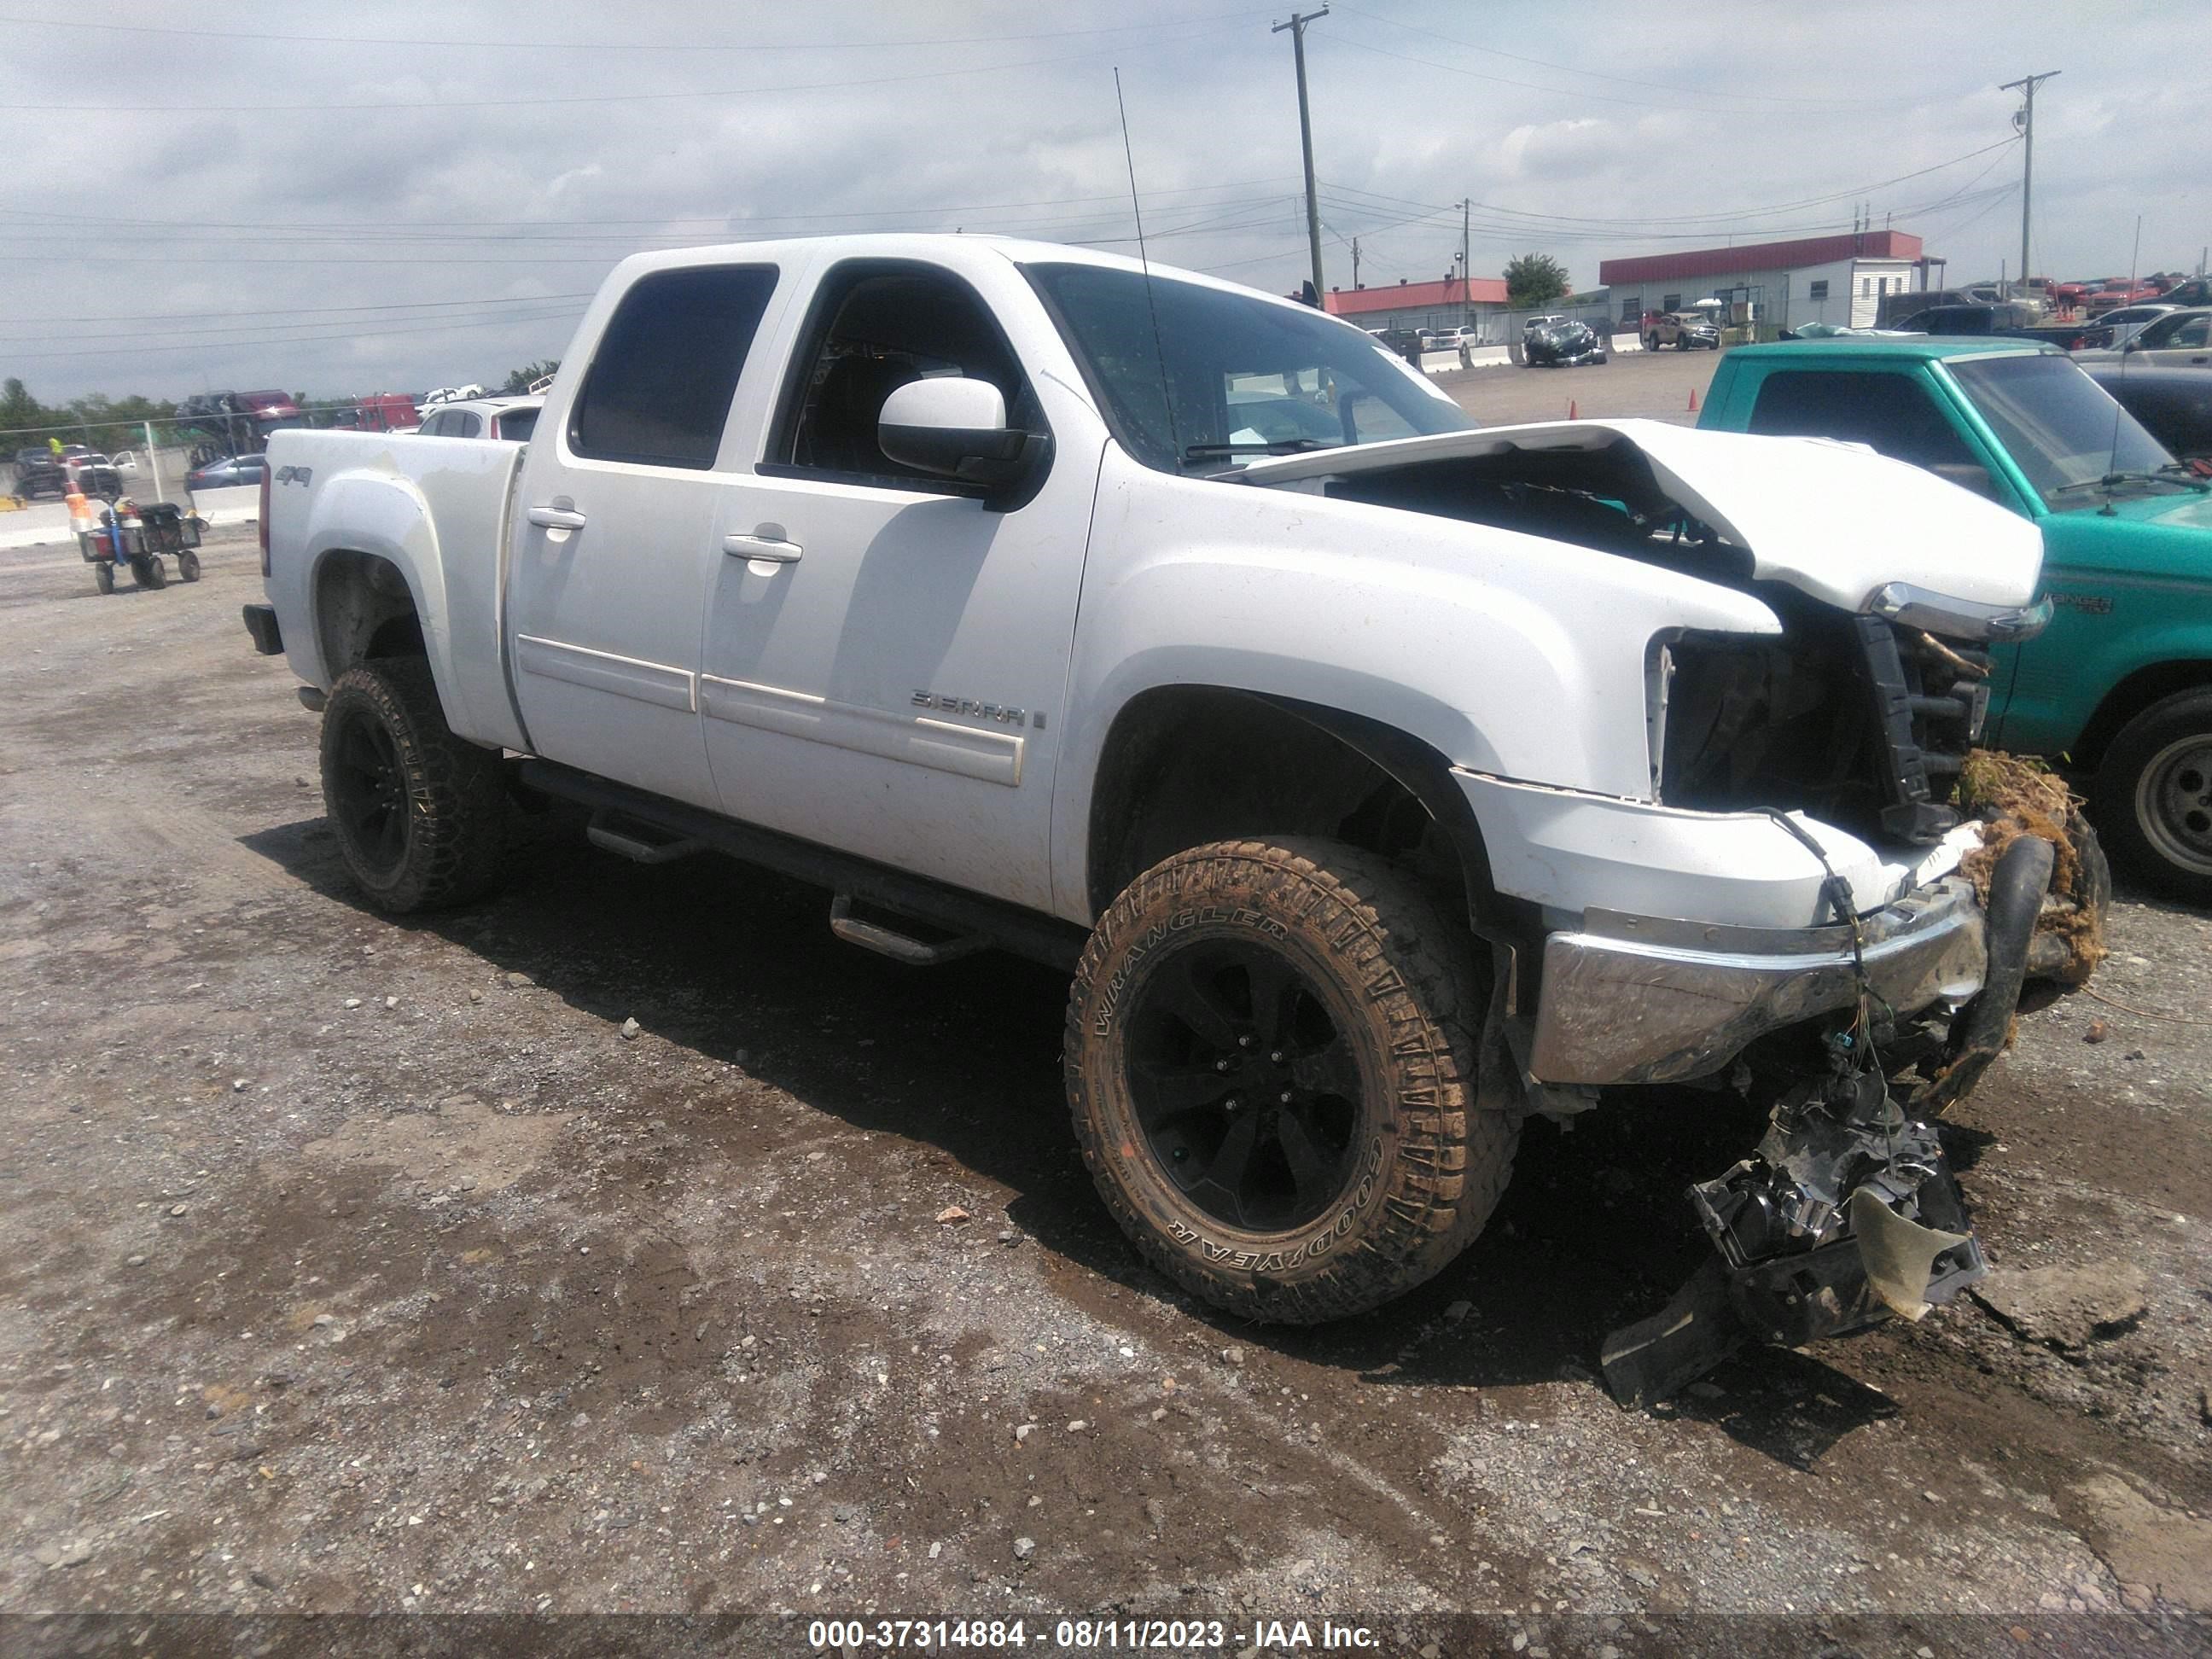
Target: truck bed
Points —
{"points": [[335, 493]]}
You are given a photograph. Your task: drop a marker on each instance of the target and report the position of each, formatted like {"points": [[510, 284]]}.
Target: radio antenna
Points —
{"points": [[1160, 351], [2112, 458]]}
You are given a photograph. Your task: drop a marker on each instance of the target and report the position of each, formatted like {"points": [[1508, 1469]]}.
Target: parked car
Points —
{"points": [[39, 471], [2174, 405], [1563, 344], [228, 473], [1404, 342], [1300, 769], [509, 418], [94, 474], [1684, 330], [452, 394], [2179, 339], [2194, 291], [2116, 327], [2114, 295], [2119, 690]]}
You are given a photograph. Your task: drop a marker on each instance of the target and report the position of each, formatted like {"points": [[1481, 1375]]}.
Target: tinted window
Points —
{"points": [[659, 389], [517, 423], [876, 327], [1890, 413], [466, 424]]}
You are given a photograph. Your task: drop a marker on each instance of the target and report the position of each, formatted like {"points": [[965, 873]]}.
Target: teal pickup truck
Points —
{"points": [[2117, 689]]}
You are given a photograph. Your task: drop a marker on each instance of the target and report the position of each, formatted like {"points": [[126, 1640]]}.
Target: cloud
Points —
{"points": [[313, 208]]}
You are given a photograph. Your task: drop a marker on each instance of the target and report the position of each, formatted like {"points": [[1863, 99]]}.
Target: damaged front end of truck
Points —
{"points": [[1829, 899]]}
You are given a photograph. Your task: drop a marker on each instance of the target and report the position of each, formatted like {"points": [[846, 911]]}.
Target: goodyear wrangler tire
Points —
{"points": [[419, 813], [1271, 1064]]}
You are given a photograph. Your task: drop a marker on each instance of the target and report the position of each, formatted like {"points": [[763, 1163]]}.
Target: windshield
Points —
{"points": [[2061, 427], [1243, 375]]}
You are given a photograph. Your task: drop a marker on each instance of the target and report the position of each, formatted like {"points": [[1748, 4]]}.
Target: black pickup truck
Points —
{"points": [[1995, 321]]}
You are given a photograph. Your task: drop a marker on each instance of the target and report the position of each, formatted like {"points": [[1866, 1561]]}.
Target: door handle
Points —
{"points": [[772, 548], [555, 517]]}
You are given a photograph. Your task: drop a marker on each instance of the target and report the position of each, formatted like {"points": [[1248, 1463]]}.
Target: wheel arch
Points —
{"points": [[1181, 765], [2129, 697]]}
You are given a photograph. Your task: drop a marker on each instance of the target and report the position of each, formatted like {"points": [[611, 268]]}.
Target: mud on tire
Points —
{"points": [[419, 813], [1308, 991]]}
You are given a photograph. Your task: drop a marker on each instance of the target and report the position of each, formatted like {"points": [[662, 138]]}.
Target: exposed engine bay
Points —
{"points": [[1846, 1212]]}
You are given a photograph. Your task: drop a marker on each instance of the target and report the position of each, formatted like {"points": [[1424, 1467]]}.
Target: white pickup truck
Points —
{"points": [[1383, 781]]}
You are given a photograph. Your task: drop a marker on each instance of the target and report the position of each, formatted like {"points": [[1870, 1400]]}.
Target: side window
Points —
{"points": [[876, 327], [659, 388], [433, 426], [1892, 414], [2194, 332], [518, 424], [466, 424]]}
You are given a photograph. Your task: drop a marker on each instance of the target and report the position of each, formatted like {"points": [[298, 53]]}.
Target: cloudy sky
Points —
{"points": [[342, 199]]}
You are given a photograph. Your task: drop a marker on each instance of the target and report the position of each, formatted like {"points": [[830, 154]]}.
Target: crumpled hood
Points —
{"points": [[1834, 520]]}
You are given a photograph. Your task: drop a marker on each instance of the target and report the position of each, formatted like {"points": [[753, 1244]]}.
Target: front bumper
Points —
{"points": [[1631, 999]]}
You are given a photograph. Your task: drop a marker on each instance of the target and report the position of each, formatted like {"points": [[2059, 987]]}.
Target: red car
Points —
{"points": [[2113, 295]]}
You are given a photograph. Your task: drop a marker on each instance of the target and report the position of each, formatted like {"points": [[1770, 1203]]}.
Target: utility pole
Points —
{"points": [[1355, 262], [1466, 301], [2027, 84], [1297, 26]]}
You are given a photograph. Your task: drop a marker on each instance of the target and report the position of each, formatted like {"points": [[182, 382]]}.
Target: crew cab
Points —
{"points": [[2119, 687], [1381, 780]]}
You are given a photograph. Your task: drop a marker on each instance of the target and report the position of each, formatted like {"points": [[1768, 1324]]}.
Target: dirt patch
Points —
{"points": [[457, 1143], [463, 1302]]}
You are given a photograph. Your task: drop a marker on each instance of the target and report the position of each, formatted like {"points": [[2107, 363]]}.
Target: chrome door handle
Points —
{"points": [[554, 518], [773, 548]]}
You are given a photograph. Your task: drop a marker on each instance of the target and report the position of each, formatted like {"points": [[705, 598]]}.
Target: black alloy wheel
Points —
{"points": [[368, 792], [1248, 1089]]}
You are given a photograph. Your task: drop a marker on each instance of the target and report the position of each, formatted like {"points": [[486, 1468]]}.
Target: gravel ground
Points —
{"points": [[1651, 385], [352, 1265]]}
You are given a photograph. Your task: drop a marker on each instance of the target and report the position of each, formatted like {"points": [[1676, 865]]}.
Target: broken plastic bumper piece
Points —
{"points": [[1845, 1213]]}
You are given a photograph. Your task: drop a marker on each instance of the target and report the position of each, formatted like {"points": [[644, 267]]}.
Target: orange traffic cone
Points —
{"points": [[1571, 414], [1694, 400]]}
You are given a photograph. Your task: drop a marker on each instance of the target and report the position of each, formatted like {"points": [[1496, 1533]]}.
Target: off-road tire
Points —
{"points": [[188, 565], [103, 573], [2131, 801], [1426, 1166], [454, 791]]}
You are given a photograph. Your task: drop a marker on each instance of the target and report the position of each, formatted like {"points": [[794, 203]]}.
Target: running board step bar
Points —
{"points": [[899, 947], [639, 842]]}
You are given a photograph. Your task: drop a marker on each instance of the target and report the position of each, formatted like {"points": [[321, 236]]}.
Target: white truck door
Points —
{"points": [[615, 536], [885, 655]]}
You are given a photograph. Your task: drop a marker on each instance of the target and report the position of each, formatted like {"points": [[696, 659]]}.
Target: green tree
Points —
{"points": [[19, 409], [1534, 280], [518, 380]]}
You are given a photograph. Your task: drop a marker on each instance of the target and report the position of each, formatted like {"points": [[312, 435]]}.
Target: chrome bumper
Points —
{"points": [[1641, 999]]}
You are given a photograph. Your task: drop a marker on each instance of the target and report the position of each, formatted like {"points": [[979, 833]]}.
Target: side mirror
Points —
{"points": [[953, 426]]}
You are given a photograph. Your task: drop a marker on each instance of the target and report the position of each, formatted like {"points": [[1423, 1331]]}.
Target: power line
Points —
{"points": [[77, 26], [386, 105], [1622, 80], [717, 219], [348, 334]]}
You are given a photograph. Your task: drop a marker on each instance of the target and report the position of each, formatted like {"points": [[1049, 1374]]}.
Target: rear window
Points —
{"points": [[659, 389], [1892, 414], [517, 423]]}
